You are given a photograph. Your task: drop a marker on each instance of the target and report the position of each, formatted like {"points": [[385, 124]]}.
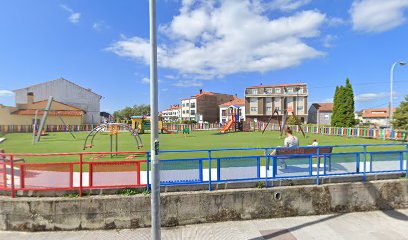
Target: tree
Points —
{"points": [[291, 120], [343, 106], [127, 112], [335, 107], [400, 117]]}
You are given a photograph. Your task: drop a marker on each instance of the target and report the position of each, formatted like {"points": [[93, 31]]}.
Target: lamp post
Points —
{"points": [[154, 131], [391, 85]]}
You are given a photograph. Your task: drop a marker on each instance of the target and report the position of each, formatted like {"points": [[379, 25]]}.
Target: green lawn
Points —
{"points": [[63, 142]]}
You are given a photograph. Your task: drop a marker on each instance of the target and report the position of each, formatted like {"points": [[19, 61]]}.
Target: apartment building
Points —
{"points": [[172, 114], [262, 100], [203, 107]]}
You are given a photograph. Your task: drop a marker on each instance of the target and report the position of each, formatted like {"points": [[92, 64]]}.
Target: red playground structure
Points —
{"points": [[234, 121]]}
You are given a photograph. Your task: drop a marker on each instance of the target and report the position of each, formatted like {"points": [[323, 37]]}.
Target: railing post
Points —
{"points": [[200, 166], [138, 173], [406, 161], [258, 167], [22, 176], [147, 171], [209, 170], [13, 194], [365, 163], [357, 162], [5, 174], [218, 169], [318, 166], [90, 174], [71, 176], [274, 167], [80, 173], [266, 169]]}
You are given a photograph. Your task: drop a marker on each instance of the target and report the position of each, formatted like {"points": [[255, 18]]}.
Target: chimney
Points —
{"points": [[201, 91], [30, 98]]}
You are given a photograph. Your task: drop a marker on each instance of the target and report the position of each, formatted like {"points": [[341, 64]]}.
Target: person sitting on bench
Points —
{"points": [[290, 141]]}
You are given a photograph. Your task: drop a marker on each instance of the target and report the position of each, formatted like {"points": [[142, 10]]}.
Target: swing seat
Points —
{"points": [[88, 146]]}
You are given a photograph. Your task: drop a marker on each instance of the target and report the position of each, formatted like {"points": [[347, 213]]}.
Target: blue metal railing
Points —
{"points": [[210, 169]]}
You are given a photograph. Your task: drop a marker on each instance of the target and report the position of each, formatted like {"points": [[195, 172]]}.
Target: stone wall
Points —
{"points": [[179, 208]]}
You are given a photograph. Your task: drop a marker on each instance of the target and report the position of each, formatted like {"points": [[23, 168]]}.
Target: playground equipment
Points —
{"points": [[113, 129], [234, 122], [285, 118], [40, 130], [142, 124]]}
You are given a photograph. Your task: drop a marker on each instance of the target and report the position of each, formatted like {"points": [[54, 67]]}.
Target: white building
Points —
{"points": [[376, 116], [238, 103], [66, 92], [189, 108], [172, 114]]}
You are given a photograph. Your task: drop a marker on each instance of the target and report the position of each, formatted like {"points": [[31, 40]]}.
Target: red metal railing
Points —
{"points": [[48, 175]]}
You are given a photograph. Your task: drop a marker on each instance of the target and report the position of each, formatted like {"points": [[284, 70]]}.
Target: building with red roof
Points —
{"points": [[320, 113]]}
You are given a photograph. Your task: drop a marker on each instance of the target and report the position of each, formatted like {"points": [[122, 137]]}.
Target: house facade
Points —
{"points": [[65, 92], [376, 116], [261, 101], [237, 103], [25, 114], [203, 107], [320, 113], [172, 114]]}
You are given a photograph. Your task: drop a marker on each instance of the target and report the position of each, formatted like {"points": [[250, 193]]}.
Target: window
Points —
{"points": [[326, 116], [192, 112], [184, 111], [300, 109], [277, 108], [254, 100], [223, 112], [187, 104], [184, 104], [253, 91], [187, 111], [300, 90], [269, 109], [192, 105], [277, 90], [289, 90], [254, 109], [268, 90]]}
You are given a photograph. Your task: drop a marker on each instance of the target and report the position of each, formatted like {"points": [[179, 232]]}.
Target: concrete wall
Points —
{"points": [[107, 212]]}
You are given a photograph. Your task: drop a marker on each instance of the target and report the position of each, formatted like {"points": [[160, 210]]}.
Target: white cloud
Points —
{"points": [[165, 89], [6, 93], [377, 15], [335, 22], [100, 26], [328, 40], [288, 5], [188, 83], [214, 38], [368, 97], [145, 80], [74, 17]]}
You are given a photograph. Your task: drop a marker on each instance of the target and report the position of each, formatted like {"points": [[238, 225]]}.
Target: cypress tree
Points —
{"points": [[349, 105], [335, 107]]}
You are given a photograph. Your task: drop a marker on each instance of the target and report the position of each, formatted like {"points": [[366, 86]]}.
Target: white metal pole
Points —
{"points": [[391, 83], [154, 133]]}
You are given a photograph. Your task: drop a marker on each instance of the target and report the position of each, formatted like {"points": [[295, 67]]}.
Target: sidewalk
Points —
{"points": [[349, 226]]}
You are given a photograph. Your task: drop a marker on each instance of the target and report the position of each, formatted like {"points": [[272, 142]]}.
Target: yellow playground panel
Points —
{"points": [[142, 123]]}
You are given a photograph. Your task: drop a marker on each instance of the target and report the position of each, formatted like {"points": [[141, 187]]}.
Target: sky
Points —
{"points": [[214, 45]]}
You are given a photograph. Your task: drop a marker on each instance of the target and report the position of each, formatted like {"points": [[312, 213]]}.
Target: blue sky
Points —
{"points": [[221, 46]]}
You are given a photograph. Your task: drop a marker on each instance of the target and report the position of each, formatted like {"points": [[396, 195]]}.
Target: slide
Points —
{"points": [[227, 127], [167, 131]]}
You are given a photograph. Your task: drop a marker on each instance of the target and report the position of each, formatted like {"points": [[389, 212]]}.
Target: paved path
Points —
{"points": [[363, 225]]}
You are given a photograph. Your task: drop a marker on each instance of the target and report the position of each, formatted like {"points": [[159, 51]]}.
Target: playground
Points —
{"points": [[58, 142]]}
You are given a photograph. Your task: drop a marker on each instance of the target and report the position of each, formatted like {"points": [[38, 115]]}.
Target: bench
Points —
{"points": [[287, 152]]}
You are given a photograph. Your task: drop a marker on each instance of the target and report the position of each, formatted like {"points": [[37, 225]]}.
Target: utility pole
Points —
{"points": [[154, 133]]}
